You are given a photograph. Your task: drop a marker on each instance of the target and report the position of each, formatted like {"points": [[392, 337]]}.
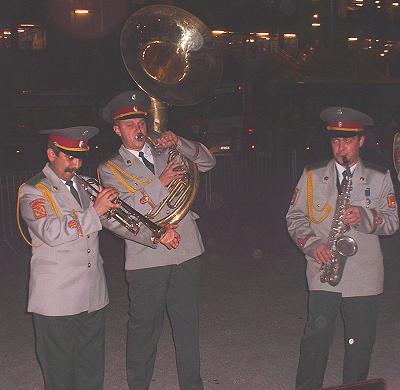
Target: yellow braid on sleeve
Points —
{"points": [[118, 173], [310, 202], [19, 223], [50, 198]]}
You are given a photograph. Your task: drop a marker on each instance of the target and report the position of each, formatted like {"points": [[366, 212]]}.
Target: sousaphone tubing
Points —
{"points": [[173, 57]]}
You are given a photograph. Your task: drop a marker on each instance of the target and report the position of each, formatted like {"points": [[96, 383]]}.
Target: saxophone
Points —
{"points": [[340, 245]]}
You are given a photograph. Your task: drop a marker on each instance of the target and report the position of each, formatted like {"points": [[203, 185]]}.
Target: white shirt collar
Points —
{"points": [[146, 151], [340, 169], [73, 181]]}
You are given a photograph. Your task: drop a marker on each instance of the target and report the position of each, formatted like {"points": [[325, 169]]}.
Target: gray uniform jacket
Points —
{"points": [[138, 256], [67, 275], [374, 195]]}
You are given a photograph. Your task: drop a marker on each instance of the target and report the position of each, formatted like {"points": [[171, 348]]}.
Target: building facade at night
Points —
{"points": [[291, 58]]}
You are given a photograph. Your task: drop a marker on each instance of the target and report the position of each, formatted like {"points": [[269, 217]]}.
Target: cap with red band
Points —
{"points": [[126, 105], [72, 140], [69, 143], [130, 111], [343, 122], [345, 126]]}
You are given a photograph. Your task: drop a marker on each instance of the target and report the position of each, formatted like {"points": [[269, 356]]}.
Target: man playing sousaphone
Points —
{"points": [[158, 279], [356, 198]]}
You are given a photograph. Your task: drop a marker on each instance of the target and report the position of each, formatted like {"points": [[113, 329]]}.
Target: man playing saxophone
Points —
{"points": [[325, 208]]}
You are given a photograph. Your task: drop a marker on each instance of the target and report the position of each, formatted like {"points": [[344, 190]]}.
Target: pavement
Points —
{"points": [[252, 312]]}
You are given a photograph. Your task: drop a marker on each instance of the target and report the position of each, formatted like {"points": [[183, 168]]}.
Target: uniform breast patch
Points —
{"points": [[391, 200], [39, 208]]}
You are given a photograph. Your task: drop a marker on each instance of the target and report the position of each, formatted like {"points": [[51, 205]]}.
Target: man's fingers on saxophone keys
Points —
{"points": [[322, 254], [352, 216]]}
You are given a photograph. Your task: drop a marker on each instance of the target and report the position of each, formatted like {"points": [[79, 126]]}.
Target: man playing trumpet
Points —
{"points": [[158, 279], [67, 286]]}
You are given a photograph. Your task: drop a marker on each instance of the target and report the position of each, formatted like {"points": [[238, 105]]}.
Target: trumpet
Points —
{"points": [[126, 215]]}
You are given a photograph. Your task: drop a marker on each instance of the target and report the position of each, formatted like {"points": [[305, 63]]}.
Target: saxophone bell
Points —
{"points": [[346, 246]]}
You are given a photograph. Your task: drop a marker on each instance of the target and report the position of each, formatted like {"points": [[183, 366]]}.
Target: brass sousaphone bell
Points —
{"points": [[396, 152], [173, 57]]}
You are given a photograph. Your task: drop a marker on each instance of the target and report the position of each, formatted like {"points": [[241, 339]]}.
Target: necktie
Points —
{"points": [[344, 181], [146, 162], [74, 192]]}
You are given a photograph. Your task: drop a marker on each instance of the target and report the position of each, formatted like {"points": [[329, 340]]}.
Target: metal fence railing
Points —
{"points": [[242, 178]]}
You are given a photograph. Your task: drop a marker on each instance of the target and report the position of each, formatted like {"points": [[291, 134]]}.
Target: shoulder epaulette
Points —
{"points": [[35, 179], [319, 164], [374, 166], [111, 157]]}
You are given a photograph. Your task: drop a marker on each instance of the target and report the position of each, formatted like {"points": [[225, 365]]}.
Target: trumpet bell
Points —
{"points": [[171, 54]]}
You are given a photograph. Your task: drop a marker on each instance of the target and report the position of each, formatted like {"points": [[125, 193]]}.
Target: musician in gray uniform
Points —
{"points": [[369, 209], [67, 286], [157, 278]]}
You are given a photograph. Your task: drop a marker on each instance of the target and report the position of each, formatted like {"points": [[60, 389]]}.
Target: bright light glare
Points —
{"points": [[81, 11]]}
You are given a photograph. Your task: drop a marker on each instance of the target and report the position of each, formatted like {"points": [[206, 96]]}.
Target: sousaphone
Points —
{"points": [[396, 152], [173, 57]]}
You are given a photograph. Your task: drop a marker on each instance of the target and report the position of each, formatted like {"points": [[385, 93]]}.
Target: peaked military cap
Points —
{"points": [[344, 122], [129, 104], [73, 141]]}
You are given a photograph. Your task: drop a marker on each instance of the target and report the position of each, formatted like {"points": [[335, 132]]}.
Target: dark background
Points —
{"points": [[323, 68]]}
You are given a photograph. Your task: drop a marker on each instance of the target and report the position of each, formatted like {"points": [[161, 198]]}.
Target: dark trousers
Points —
{"points": [[151, 291], [70, 350], [359, 317]]}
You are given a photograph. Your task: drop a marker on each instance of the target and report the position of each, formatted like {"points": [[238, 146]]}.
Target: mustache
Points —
{"points": [[70, 170]]}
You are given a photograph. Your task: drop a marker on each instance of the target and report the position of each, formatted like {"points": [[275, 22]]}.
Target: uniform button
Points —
{"points": [[89, 265], [88, 251]]}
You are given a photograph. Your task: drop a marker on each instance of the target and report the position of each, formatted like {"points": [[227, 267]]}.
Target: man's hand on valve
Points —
{"points": [[105, 200], [171, 172], [167, 140]]}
